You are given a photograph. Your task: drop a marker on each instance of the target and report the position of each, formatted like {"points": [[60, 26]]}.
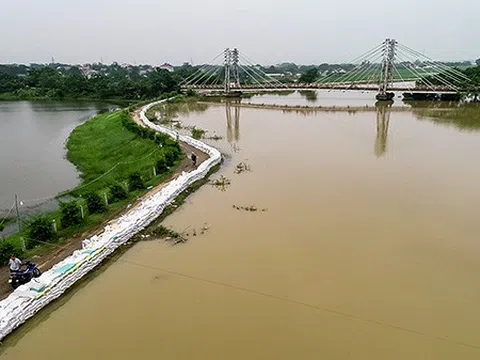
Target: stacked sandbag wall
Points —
{"points": [[28, 299]]}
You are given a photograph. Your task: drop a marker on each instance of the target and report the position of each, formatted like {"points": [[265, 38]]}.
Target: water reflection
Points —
{"points": [[309, 95], [383, 120], [233, 134]]}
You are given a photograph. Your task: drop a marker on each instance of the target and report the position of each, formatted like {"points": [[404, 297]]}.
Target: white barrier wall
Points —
{"points": [[28, 299]]}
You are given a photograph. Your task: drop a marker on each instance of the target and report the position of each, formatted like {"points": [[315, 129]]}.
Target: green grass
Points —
{"points": [[103, 144], [95, 148]]}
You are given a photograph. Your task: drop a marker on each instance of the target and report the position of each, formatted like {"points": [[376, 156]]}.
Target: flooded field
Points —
{"points": [[32, 149], [364, 245]]}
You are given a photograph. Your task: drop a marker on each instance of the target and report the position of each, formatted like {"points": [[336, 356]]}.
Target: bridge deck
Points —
{"points": [[266, 87]]}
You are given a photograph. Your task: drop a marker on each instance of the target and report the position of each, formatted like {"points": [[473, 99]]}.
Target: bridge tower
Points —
{"points": [[387, 70], [232, 67], [228, 67], [235, 67]]}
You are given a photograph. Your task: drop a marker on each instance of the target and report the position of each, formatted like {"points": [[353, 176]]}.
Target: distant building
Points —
{"points": [[167, 67]]}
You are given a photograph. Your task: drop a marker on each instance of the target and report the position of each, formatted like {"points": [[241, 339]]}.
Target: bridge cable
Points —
{"points": [[436, 77], [447, 72], [369, 67], [362, 57], [357, 72], [261, 74], [442, 71], [427, 83], [253, 70], [252, 76], [205, 65], [401, 78], [246, 59], [205, 75], [351, 73], [213, 73], [439, 64]]}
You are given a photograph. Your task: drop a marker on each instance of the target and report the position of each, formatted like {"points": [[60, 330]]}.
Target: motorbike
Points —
{"points": [[23, 276]]}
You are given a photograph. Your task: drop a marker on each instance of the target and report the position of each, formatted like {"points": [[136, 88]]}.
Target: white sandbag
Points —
{"points": [[28, 299]]}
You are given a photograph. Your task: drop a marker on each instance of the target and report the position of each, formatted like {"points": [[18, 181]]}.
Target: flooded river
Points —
{"points": [[368, 248]]}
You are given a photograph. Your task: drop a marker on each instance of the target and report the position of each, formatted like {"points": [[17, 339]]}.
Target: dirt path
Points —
{"points": [[61, 252]]}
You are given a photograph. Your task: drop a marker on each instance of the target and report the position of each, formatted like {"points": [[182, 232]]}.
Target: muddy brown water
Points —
{"points": [[369, 249]]}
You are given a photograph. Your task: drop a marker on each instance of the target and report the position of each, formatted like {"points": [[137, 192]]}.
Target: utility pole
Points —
{"points": [[387, 70], [18, 214]]}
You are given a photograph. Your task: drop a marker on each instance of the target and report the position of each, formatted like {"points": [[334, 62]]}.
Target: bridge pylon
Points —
{"points": [[232, 69], [388, 65], [228, 66], [235, 67]]}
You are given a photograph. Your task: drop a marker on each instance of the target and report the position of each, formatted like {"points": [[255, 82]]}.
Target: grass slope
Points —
{"points": [[104, 143], [94, 148]]}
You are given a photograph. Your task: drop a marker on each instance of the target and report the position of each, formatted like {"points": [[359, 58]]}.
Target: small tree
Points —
{"points": [[161, 165], [40, 230], [95, 204], [309, 76], [71, 214], [8, 249], [170, 156], [135, 182], [117, 192]]}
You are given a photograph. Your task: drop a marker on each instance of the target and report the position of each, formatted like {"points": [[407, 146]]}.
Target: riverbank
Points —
{"points": [[307, 108], [30, 298], [105, 153]]}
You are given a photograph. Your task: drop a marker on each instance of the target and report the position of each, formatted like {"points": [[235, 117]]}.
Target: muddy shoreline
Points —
{"points": [[306, 108]]}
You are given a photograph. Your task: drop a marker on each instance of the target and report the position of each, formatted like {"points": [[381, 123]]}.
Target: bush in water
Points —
{"points": [[40, 230], [135, 182], [117, 192], [95, 203], [71, 214]]}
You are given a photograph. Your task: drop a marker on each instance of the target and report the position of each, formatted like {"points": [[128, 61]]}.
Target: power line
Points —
{"points": [[301, 303], [288, 300]]}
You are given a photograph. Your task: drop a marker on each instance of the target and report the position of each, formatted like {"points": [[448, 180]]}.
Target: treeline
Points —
{"points": [[113, 83]]}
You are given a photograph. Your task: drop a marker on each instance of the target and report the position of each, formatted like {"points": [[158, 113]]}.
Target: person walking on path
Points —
{"points": [[194, 159]]}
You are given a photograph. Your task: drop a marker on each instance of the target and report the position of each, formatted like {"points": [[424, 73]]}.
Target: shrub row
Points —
{"points": [[41, 229]]}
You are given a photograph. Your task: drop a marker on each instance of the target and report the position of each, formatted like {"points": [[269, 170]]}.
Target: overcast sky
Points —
{"points": [[268, 31]]}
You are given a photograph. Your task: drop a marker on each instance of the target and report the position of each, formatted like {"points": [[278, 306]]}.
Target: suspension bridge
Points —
{"points": [[387, 68]]}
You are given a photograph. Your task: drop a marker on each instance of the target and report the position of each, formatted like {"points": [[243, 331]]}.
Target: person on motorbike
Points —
{"points": [[15, 264]]}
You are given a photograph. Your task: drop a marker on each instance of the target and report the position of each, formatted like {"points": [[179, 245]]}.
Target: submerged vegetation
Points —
{"points": [[198, 133], [222, 183], [466, 117]]}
